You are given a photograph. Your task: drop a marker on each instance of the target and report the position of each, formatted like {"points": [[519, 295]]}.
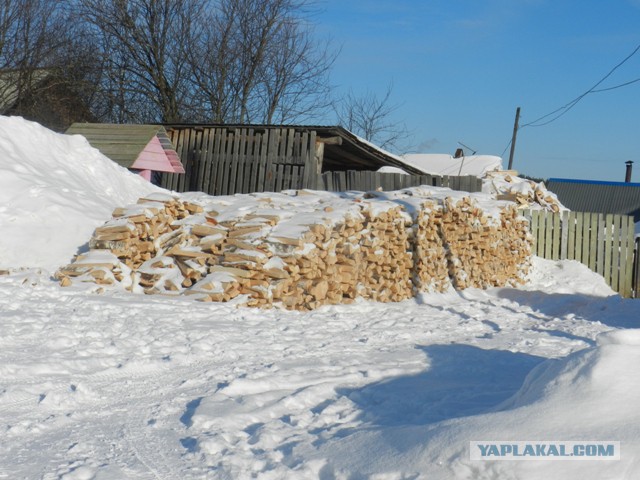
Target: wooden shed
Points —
{"points": [[223, 159], [140, 148]]}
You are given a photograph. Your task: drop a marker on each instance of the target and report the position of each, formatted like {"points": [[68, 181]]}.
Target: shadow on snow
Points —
{"points": [[613, 310], [461, 380]]}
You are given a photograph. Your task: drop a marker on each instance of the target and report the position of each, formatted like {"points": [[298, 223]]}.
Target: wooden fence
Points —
{"points": [[367, 180], [222, 161], [225, 161], [603, 242]]}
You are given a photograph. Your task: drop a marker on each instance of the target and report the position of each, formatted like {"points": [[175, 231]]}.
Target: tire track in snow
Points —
{"points": [[136, 388], [95, 380]]}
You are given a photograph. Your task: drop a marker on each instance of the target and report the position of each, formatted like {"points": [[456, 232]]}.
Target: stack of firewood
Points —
{"points": [[136, 234], [525, 193], [100, 267], [482, 250], [306, 249], [430, 271], [385, 269]]}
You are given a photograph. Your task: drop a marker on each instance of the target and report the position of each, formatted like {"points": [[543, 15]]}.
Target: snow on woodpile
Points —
{"points": [[526, 193], [304, 249]]}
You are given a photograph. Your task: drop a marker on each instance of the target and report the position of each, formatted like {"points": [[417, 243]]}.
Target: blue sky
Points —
{"points": [[459, 69]]}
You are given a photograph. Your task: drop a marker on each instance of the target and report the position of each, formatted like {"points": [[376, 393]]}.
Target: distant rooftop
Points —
{"points": [[445, 164], [594, 182], [598, 196]]}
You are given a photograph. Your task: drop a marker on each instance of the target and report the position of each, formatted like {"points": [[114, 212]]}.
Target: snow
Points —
{"points": [[533, 194], [56, 189], [444, 164], [120, 385], [389, 169]]}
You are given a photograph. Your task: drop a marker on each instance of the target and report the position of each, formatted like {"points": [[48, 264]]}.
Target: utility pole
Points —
{"points": [[513, 139]]}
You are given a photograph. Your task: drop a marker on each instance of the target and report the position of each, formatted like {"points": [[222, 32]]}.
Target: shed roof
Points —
{"points": [[143, 147], [595, 196]]}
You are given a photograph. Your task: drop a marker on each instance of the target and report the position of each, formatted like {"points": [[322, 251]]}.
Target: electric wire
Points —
{"points": [[616, 86], [564, 109]]}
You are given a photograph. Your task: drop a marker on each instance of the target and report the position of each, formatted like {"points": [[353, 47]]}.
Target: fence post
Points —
{"points": [[601, 241], [636, 269], [564, 236], [629, 232], [557, 236]]}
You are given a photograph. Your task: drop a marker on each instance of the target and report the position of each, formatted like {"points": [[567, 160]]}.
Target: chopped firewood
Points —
{"points": [[383, 246]]}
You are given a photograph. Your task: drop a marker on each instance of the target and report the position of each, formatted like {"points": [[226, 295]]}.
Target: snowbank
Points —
{"points": [[54, 190], [591, 395]]}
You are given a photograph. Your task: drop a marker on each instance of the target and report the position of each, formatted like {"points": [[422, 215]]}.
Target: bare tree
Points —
{"points": [[211, 54], [46, 68], [143, 44], [295, 78], [370, 117], [237, 61], [27, 42], [255, 61]]}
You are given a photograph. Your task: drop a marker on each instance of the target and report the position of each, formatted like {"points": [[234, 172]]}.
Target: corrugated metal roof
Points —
{"points": [[600, 197], [122, 143], [594, 182]]}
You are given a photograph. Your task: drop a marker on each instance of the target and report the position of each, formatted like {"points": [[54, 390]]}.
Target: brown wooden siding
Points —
{"points": [[226, 161]]}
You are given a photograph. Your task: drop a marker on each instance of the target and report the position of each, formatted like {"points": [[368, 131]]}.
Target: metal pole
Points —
{"points": [[513, 139]]}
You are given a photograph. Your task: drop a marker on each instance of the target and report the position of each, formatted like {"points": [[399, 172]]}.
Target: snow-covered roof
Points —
{"points": [[445, 164], [392, 170]]}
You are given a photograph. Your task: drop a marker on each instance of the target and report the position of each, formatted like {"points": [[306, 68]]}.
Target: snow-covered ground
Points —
{"points": [[124, 386]]}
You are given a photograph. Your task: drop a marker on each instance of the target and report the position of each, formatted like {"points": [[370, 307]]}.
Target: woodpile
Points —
{"points": [[303, 249], [101, 267], [386, 255], [484, 251], [430, 271], [138, 233], [523, 192]]}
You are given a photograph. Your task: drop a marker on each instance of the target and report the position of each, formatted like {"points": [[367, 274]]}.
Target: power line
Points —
{"points": [[616, 86], [505, 148], [564, 109]]}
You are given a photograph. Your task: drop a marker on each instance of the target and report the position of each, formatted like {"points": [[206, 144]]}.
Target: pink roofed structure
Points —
{"points": [[143, 149]]}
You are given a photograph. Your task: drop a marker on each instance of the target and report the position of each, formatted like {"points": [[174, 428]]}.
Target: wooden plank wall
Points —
{"points": [[367, 180], [221, 161], [603, 242], [225, 161]]}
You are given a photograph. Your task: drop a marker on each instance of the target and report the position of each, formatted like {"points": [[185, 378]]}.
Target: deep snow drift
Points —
{"points": [[54, 190], [590, 395], [120, 386]]}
